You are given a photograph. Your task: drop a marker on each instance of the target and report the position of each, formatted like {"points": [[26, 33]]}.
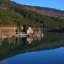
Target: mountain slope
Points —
{"points": [[48, 11], [12, 13]]}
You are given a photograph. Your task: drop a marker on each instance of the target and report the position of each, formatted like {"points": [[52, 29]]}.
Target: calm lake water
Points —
{"points": [[26, 50], [53, 56]]}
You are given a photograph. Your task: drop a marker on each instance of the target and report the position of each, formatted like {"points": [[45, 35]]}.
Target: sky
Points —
{"points": [[57, 4]]}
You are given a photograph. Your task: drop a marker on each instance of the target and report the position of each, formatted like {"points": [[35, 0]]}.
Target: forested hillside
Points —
{"points": [[12, 13]]}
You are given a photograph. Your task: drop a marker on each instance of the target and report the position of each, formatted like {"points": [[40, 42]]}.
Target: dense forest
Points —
{"points": [[12, 13]]}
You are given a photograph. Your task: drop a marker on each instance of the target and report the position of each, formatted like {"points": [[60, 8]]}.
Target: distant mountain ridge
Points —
{"points": [[48, 11]]}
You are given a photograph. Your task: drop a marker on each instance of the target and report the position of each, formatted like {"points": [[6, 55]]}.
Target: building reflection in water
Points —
{"points": [[29, 40], [22, 40]]}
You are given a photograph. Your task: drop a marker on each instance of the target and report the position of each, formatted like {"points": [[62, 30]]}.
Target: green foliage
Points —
{"points": [[11, 12]]}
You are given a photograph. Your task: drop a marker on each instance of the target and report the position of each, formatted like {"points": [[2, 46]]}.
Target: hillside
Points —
{"points": [[12, 13], [48, 11]]}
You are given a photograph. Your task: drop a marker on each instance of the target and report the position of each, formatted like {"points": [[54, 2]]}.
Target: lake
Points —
{"points": [[47, 50], [53, 56]]}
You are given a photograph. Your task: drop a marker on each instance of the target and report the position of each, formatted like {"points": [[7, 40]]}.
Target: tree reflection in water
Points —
{"points": [[19, 40], [13, 46]]}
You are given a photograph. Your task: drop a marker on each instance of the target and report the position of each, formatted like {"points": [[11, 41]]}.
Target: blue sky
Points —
{"points": [[58, 4]]}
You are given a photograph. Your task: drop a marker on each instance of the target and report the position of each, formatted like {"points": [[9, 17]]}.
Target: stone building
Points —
{"points": [[7, 32]]}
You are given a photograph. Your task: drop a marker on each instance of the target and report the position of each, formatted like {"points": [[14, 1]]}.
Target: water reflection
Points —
{"points": [[17, 40], [54, 56], [16, 45], [29, 40], [11, 46]]}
